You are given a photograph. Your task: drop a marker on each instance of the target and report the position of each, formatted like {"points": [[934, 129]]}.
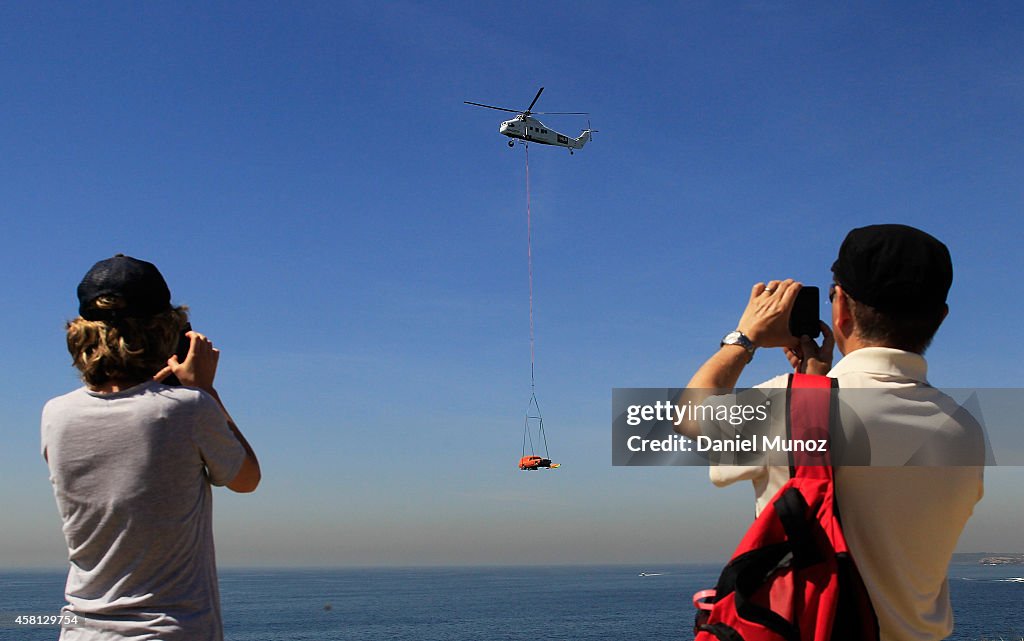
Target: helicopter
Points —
{"points": [[525, 127]]}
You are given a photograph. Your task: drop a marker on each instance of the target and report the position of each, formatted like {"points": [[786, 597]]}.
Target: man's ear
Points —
{"points": [[842, 314]]}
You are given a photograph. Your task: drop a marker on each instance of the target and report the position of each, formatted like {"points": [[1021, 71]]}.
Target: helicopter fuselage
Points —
{"points": [[533, 130]]}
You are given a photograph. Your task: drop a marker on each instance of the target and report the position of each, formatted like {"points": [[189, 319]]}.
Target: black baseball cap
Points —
{"points": [[894, 268], [138, 283]]}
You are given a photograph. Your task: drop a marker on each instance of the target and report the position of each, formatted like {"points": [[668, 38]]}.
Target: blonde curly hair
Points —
{"points": [[128, 351]]}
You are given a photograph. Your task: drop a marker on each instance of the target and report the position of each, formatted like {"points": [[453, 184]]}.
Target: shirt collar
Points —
{"points": [[883, 361]]}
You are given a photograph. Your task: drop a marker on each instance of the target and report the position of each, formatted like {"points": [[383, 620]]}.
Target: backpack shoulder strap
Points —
{"points": [[809, 416]]}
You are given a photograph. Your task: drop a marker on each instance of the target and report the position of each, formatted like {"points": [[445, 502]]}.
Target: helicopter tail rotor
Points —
{"points": [[585, 136]]}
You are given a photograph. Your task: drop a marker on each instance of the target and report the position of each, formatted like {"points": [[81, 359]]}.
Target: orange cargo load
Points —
{"points": [[535, 462]]}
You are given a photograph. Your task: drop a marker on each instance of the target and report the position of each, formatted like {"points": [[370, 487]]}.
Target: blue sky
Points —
{"points": [[353, 237]]}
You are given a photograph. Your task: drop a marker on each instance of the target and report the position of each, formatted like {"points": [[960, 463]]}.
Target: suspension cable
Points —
{"points": [[529, 262], [533, 408]]}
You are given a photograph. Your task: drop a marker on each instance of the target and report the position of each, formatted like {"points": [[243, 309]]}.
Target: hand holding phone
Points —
{"points": [[200, 365]]}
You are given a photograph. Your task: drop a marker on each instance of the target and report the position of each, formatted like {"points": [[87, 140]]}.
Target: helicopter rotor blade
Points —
{"points": [[561, 113], [535, 98], [477, 104]]}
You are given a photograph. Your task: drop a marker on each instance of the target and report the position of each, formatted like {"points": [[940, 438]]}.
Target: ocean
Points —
{"points": [[499, 603]]}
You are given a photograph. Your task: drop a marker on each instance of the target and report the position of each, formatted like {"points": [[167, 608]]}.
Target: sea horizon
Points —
{"points": [[512, 602], [959, 558]]}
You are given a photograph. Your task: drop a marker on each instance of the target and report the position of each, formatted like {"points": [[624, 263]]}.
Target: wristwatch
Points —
{"points": [[738, 338]]}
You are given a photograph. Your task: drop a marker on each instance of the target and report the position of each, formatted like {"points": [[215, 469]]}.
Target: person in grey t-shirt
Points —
{"points": [[132, 461]]}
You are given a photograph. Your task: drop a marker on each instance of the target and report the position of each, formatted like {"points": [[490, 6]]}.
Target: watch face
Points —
{"points": [[737, 338]]}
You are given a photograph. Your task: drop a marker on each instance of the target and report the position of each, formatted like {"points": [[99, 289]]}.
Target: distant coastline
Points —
{"points": [[990, 558], [1003, 559]]}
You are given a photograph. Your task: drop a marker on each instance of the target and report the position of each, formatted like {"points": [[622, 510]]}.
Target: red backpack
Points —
{"points": [[792, 578]]}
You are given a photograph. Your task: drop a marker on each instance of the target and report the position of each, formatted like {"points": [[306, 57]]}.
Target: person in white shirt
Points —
{"points": [[132, 461]]}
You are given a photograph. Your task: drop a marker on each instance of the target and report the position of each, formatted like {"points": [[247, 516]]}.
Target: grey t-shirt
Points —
{"points": [[131, 472]]}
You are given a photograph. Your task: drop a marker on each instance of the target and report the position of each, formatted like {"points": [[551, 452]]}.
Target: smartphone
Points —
{"points": [[184, 343], [803, 321]]}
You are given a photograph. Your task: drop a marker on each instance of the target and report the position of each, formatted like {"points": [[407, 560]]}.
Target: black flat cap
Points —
{"points": [[894, 268], [138, 283]]}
